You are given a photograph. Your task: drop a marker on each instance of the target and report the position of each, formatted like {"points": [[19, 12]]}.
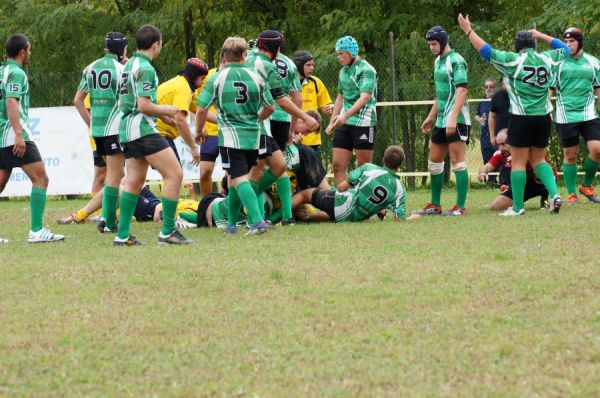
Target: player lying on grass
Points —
{"points": [[368, 190], [502, 159]]}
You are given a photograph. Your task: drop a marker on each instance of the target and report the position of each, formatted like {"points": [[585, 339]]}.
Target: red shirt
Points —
{"points": [[499, 159]]}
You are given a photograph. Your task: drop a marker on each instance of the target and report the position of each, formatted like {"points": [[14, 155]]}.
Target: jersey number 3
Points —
{"points": [[378, 195], [242, 97]]}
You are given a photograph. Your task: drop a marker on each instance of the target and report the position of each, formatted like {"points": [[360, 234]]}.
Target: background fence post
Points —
{"points": [[394, 93]]}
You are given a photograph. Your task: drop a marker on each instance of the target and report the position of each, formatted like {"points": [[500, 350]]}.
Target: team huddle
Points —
{"points": [[251, 111]]}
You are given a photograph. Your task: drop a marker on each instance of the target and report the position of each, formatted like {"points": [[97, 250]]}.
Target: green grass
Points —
{"points": [[472, 306]]}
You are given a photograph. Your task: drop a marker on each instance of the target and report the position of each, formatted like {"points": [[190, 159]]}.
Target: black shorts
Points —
{"points": [[528, 131], [109, 145], [99, 160], [463, 133], [280, 132], [569, 132], [268, 147], [174, 148], [238, 162], [324, 199], [201, 220], [8, 161], [533, 188], [209, 151], [354, 137], [145, 146]]}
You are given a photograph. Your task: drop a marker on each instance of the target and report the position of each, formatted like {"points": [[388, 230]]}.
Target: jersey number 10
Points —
{"points": [[102, 79]]}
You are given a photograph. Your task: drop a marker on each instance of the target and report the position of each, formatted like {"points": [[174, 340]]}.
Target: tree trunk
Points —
{"points": [[188, 29]]}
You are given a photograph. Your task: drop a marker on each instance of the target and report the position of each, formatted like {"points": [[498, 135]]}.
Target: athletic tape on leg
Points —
{"points": [[435, 168]]}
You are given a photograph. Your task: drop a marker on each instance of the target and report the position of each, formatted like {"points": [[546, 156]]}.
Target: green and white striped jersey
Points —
{"points": [[530, 76], [359, 77], [13, 84], [449, 71], [138, 79], [292, 158], [101, 80], [290, 82], [374, 188], [575, 83], [238, 94], [219, 211], [261, 65]]}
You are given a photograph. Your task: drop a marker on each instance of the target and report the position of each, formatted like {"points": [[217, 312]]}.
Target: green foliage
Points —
{"points": [[68, 34]]}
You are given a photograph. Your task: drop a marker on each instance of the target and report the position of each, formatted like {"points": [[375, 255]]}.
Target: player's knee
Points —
{"points": [[205, 173], [278, 169], [457, 167], [435, 168], [176, 174], [40, 180]]}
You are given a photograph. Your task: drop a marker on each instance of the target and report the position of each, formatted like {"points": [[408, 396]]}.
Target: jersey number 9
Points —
{"points": [[378, 195]]}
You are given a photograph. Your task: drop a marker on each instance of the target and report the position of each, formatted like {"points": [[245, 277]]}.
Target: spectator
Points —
{"points": [[483, 110], [498, 118]]}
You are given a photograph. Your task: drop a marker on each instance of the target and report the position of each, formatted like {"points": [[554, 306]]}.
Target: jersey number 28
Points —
{"points": [[535, 76]]}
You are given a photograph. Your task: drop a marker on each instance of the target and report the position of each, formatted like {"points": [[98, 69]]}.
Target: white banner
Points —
{"points": [[63, 141]]}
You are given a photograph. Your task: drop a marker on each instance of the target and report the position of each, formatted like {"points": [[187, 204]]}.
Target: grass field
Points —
{"points": [[471, 306]]}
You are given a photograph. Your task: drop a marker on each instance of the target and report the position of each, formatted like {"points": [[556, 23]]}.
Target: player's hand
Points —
{"points": [[311, 123], [328, 109], [195, 156], [200, 137], [535, 33], [493, 140], [19, 146], [302, 213], [451, 126], [341, 120], [297, 139], [483, 177], [331, 126], [426, 126], [464, 23]]}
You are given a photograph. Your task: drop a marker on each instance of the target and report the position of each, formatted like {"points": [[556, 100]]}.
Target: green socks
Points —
{"points": [[233, 207], [110, 199], [462, 187], [546, 175], [590, 167], [248, 198], [37, 205], [266, 181], [190, 217], [570, 176], [169, 207], [128, 204], [284, 189], [518, 179], [436, 189]]}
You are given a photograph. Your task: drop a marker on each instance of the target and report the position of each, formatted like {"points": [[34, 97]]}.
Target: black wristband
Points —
{"points": [[471, 31]]}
